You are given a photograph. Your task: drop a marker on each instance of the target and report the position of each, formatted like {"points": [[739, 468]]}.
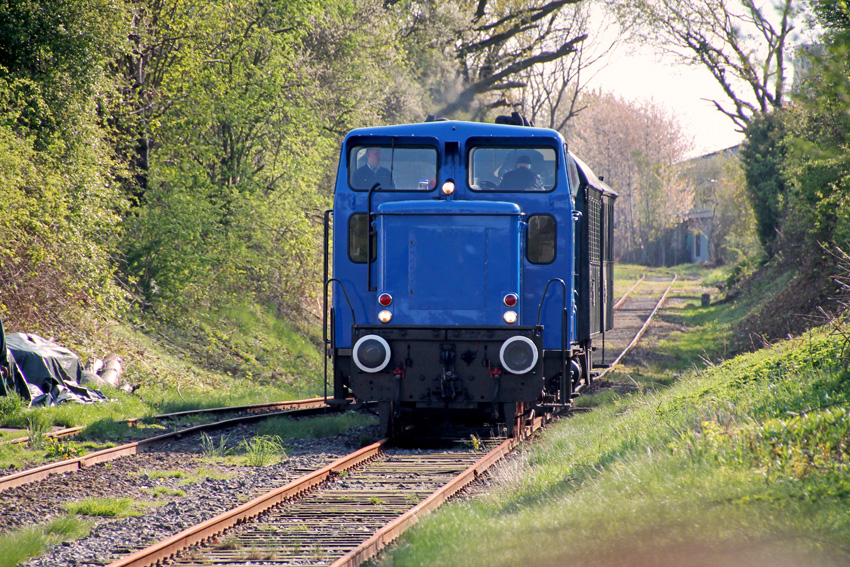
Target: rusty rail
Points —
{"points": [[214, 526], [250, 408], [643, 328], [394, 529], [626, 295], [38, 473], [213, 530]]}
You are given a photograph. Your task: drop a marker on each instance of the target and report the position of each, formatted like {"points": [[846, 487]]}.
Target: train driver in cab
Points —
{"points": [[372, 172], [521, 178]]}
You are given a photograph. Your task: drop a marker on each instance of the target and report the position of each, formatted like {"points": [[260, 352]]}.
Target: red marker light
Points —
{"points": [[385, 299], [510, 299]]}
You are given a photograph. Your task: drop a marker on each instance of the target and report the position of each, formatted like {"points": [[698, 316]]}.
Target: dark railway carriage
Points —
{"points": [[472, 271]]}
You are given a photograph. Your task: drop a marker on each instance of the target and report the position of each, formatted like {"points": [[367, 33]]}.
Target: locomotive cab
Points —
{"points": [[455, 250]]}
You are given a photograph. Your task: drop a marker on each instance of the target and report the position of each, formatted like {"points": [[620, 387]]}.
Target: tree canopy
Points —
{"points": [[177, 155]]}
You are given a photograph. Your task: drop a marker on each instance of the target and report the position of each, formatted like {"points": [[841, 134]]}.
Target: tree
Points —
{"points": [[551, 92], [743, 46], [817, 140], [635, 147], [474, 53], [60, 209], [763, 156], [242, 123]]}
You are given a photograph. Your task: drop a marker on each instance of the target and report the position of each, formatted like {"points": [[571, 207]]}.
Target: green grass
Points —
{"points": [[11, 434], [163, 491], [107, 507], [258, 451], [243, 394], [183, 476], [314, 427], [685, 462], [121, 405], [24, 544], [204, 473], [253, 356], [628, 273], [111, 430], [211, 448], [12, 412], [37, 428], [262, 450], [243, 355], [163, 474]]}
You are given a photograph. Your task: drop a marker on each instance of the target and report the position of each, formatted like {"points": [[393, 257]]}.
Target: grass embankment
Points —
{"points": [[243, 356], [744, 462]]}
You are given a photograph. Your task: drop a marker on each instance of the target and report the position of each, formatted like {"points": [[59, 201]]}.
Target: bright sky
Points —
{"points": [[642, 75]]}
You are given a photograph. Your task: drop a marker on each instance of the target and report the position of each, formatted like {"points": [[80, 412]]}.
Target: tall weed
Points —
{"points": [[263, 450], [37, 427]]}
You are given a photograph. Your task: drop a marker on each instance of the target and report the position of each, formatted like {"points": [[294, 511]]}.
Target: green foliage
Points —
{"points": [[165, 474], [263, 450], [314, 427], [102, 506], [209, 448], [762, 156], [60, 206], [752, 450], [37, 427], [12, 410], [62, 450], [107, 429], [679, 456], [164, 491], [244, 151], [31, 542], [818, 166], [258, 451]]}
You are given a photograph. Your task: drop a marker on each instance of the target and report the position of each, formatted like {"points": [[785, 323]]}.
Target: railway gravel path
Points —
{"points": [[218, 487], [212, 489]]}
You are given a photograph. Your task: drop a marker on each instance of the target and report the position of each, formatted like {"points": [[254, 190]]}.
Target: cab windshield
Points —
{"points": [[512, 169], [393, 168]]}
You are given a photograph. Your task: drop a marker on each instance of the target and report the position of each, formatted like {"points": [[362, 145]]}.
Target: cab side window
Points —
{"points": [[542, 236], [357, 235]]}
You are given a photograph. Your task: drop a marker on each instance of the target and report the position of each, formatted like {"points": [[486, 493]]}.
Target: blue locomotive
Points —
{"points": [[472, 271]]}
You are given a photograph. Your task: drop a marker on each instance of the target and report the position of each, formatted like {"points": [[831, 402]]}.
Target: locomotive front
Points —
{"points": [[446, 238]]}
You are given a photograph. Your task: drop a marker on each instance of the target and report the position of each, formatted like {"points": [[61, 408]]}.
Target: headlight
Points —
{"points": [[371, 353], [518, 355]]}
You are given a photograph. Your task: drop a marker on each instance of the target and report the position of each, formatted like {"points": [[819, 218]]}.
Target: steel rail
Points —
{"points": [[68, 465], [251, 408], [391, 531], [642, 330], [626, 295], [394, 529], [214, 526]]}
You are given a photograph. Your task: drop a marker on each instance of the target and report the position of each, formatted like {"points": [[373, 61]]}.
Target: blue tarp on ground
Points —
{"points": [[42, 372]]}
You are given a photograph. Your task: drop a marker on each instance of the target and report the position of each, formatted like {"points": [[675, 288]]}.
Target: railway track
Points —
{"points": [[344, 512], [249, 408], [325, 525], [339, 515], [635, 314], [293, 408]]}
